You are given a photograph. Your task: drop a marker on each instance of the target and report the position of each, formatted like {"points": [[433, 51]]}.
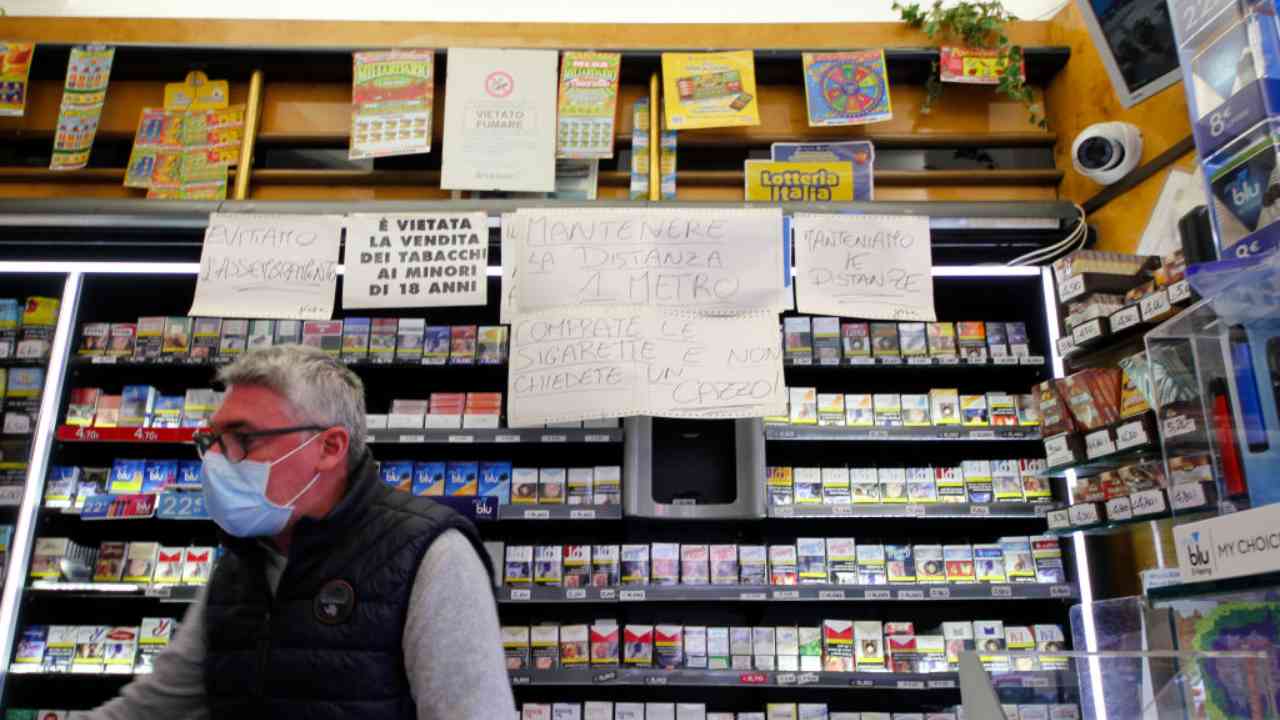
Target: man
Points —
{"points": [[337, 597]]}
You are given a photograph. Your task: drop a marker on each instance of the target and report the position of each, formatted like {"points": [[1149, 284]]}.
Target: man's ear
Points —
{"points": [[334, 444]]}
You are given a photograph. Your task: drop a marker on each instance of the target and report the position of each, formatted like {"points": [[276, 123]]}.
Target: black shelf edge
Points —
{"points": [[657, 677], [97, 591], [977, 511], [560, 512], [499, 436], [912, 592], [1036, 362], [102, 361], [804, 433], [1187, 590]]}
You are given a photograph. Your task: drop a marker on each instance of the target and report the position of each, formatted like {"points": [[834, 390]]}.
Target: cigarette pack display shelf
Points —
{"points": [[905, 592], [1119, 514], [23, 362], [111, 361], [1082, 285], [1131, 441], [465, 436], [923, 363], [1124, 325], [809, 433], [996, 510], [44, 591], [1207, 588], [559, 512], [908, 682]]}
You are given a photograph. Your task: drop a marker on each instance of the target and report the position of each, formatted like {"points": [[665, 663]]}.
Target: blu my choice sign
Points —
{"points": [[1244, 543]]}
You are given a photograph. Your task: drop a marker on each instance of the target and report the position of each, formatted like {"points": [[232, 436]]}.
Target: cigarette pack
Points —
{"points": [[740, 647], [495, 481], [837, 645], [798, 340], [262, 332], [524, 486], [782, 565], [409, 343], [323, 334], [804, 405], [535, 711], [997, 341], [902, 653], [811, 561], [604, 645], [9, 320], [628, 711], [32, 645], [930, 565], [91, 649], [159, 475], [691, 711], [1048, 556], [206, 334], [718, 648], [547, 569], [869, 641], [871, 565], [1055, 416], [856, 337], [764, 647], [110, 565], [1003, 409], [665, 559], [831, 409], [577, 566], [973, 411], [973, 340], [826, 340], [140, 562], [988, 562], [809, 643], [944, 406], [913, 339], [462, 345], [436, 340], [842, 561], [807, 485], [169, 563], [137, 403], [491, 345], [566, 711], [1049, 639], [288, 332], [921, 487], [942, 339], [149, 344], [864, 485], [779, 486], [515, 646], [988, 638], [60, 489], [859, 410], [382, 339], [355, 339], [544, 646], [787, 640], [127, 476], [659, 711], [835, 486], [1032, 712], [900, 563], [1006, 480], [884, 341], [932, 651], [950, 483], [1019, 563], [605, 567], [893, 484], [121, 343], [977, 480], [695, 568], [93, 339], [607, 485], [959, 563], [724, 564], [197, 565], [1019, 638], [580, 481], [637, 645], [551, 483], [518, 571], [397, 474], [915, 410], [668, 646], [695, 646], [574, 646], [959, 637], [635, 564], [60, 650], [753, 565], [1019, 345], [82, 406], [107, 413], [781, 711], [888, 409], [167, 412], [176, 342]]}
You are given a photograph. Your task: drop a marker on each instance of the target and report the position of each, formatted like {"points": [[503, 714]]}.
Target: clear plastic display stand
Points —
{"points": [[1173, 686]]}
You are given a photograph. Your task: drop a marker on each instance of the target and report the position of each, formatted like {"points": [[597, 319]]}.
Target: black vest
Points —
{"points": [[308, 652]]}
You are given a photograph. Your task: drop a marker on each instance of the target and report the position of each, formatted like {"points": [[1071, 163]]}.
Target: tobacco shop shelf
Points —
{"points": [[1131, 441], [45, 590], [494, 436], [560, 512], [803, 593], [920, 363], [1078, 346], [1121, 513], [105, 361], [806, 433], [652, 677], [1007, 510], [157, 436]]}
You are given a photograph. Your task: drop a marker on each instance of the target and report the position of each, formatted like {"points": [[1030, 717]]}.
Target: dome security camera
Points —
{"points": [[1106, 152]]}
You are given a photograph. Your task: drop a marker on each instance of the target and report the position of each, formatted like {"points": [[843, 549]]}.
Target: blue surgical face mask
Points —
{"points": [[235, 494]]}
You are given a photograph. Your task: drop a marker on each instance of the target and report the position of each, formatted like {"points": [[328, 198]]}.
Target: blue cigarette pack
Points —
{"points": [[189, 474], [461, 479], [495, 481], [428, 479], [398, 474], [127, 476], [160, 474]]}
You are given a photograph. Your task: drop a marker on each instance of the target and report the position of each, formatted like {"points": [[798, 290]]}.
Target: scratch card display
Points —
{"points": [[185, 155], [588, 101], [15, 67], [391, 103], [83, 95], [704, 90], [846, 88], [975, 66], [860, 153]]}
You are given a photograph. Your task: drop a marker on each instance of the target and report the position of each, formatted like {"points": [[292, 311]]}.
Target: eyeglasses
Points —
{"points": [[236, 445]]}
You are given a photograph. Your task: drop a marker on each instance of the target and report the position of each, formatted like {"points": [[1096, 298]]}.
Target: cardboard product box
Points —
{"points": [[446, 411], [604, 644], [842, 561], [576, 562], [495, 480], [544, 644], [779, 486], [1028, 409], [724, 564], [606, 569], [695, 565], [665, 558], [871, 564], [547, 568], [835, 486], [635, 564], [482, 410], [753, 565], [637, 645], [515, 646], [140, 562], [807, 485], [1055, 416], [782, 565], [462, 479], [811, 561]]}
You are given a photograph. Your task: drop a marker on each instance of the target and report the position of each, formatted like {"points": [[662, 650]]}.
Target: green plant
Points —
{"points": [[976, 25]]}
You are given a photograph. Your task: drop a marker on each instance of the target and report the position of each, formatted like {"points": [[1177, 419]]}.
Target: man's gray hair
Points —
{"points": [[321, 389]]}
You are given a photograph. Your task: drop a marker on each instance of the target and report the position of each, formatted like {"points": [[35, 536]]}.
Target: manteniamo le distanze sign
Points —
{"points": [[1244, 543]]}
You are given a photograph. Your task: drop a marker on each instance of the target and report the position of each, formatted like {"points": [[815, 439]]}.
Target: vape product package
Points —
{"points": [[811, 561], [635, 564], [807, 485], [495, 481], [871, 564], [835, 486], [900, 563], [782, 565], [753, 565], [127, 476], [665, 559], [605, 566], [959, 563], [842, 561], [461, 479], [544, 645], [159, 475], [695, 566]]}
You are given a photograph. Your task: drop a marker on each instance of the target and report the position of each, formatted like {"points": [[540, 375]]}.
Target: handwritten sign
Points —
{"points": [[268, 266], [867, 266], [587, 363], [697, 260], [416, 260]]}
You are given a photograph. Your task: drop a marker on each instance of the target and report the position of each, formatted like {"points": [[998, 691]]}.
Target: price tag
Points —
{"points": [[982, 434], [1057, 451], [784, 511], [1059, 520], [11, 495], [1035, 682], [1131, 434], [753, 596], [914, 509], [979, 510], [1084, 514], [159, 591], [806, 360], [656, 680], [949, 360], [910, 684], [785, 679], [1119, 508], [1007, 360], [786, 594], [862, 361], [809, 678], [1065, 345], [608, 594], [521, 680], [1061, 591], [631, 595], [506, 438], [1179, 291], [841, 510], [554, 438], [582, 514], [1091, 330], [878, 434], [1071, 288], [1176, 425], [104, 360], [575, 594], [462, 439], [605, 677], [1098, 443], [1147, 502], [1001, 591], [942, 684], [1032, 359], [595, 438], [182, 506], [976, 356], [413, 438], [890, 360], [1185, 496], [144, 435], [940, 593], [878, 595], [919, 361], [521, 593], [537, 514], [1155, 305], [862, 683], [831, 595], [910, 594], [1126, 318], [753, 678]]}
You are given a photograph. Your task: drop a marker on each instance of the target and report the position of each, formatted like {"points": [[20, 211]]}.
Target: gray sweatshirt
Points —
{"points": [[452, 648]]}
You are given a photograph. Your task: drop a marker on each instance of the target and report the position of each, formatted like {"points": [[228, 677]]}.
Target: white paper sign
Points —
{"points": [[587, 363], [878, 267], [697, 260], [435, 260], [268, 266], [1243, 543], [500, 120]]}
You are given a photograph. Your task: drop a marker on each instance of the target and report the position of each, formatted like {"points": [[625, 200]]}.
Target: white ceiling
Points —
{"points": [[606, 11]]}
